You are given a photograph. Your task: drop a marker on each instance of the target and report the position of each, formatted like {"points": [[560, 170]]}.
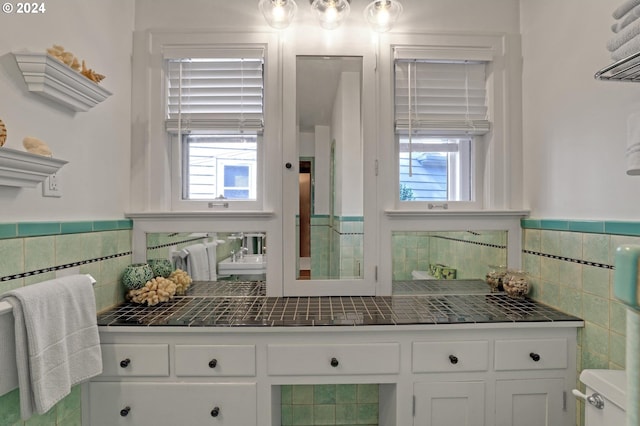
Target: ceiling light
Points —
{"points": [[278, 13], [331, 13], [382, 14]]}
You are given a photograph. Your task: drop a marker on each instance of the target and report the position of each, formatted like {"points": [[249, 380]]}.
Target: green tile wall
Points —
{"points": [[571, 268], [351, 405], [99, 248]]}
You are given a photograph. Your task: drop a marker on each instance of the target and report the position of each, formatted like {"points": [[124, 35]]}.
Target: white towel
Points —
{"points": [[624, 8], [633, 144], [626, 20], [57, 341], [629, 48], [623, 36], [179, 259], [213, 260], [198, 262]]}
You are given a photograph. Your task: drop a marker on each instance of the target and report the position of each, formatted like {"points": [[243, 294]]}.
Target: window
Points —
{"points": [[215, 114], [440, 111], [219, 167], [435, 169]]}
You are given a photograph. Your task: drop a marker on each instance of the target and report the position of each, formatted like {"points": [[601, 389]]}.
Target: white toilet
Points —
{"points": [[605, 398]]}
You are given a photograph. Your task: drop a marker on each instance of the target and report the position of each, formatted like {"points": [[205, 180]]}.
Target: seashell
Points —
{"points": [[36, 146], [3, 133]]}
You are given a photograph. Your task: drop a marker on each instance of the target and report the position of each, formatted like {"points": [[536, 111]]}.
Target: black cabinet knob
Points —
{"points": [[453, 359], [534, 356], [125, 411], [125, 363], [334, 362], [213, 363], [288, 165], [215, 412]]}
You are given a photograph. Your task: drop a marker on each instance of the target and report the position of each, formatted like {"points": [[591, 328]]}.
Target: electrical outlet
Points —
{"points": [[51, 187]]}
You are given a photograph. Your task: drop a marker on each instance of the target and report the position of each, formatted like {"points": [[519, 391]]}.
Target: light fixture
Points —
{"points": [[382, 14], [278, 13], [331, 13]]}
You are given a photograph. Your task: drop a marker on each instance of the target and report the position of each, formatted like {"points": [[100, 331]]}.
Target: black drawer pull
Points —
{"points": [[215, 412], [213, 363], [125, 411], [453, 359], [534, 356], [125, 363], [334, 362]]}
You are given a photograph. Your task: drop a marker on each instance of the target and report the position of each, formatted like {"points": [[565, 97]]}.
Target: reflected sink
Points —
{"points": [[249, 264]]}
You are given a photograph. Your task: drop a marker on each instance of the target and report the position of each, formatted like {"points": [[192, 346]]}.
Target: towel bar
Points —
{"points": [[5, 307]]}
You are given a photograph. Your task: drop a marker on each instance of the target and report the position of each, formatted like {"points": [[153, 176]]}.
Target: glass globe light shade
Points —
{"points": [[330, 13], [382, 14], [278, 13]]}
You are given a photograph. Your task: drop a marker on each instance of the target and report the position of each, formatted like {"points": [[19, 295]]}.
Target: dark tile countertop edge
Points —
{"points": [[251, 308]]}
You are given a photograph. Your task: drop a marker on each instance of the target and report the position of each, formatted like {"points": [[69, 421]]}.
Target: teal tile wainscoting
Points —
{"points": [[31, 252], [570, 264], [348, 405]]}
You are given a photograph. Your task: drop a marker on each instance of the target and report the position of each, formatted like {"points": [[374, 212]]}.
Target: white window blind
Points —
{"points": [[440, 98], [224, 93]]}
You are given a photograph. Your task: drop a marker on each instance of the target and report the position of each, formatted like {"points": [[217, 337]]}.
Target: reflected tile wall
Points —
{"points": [[33, 252], [469, 252]]}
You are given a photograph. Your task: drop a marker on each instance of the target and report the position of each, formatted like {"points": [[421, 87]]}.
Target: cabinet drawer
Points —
{"points": [[135, 360], [215, 360], [530, 354], [376, 358], [185, 404], [450, 356]]}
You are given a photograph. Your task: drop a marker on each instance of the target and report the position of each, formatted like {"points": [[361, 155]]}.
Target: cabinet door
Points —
{"points": [[184, 404], [449, 403], [534, 402]]}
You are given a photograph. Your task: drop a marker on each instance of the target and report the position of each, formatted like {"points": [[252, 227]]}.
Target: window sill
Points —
{"points": [[227, 214], [405, 214]]}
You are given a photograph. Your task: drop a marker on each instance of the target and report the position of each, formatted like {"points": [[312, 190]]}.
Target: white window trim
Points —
{"points": [[498, 153], [156, 168]]}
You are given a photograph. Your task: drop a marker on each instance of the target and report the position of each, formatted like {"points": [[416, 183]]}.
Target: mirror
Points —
{"points": [[213, 256], [329, 220], [446, 255]]}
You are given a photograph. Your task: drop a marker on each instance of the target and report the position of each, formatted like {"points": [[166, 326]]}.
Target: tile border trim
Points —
{"points": [[39, 229], [585, 226], [60, 267], [569, 259]]}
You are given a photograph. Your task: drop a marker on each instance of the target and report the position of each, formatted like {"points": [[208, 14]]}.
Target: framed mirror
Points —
{"points": [[440, 261], [325, 225]]}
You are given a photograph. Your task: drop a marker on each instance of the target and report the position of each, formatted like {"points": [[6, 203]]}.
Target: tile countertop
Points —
{"points": [[233, 304]]}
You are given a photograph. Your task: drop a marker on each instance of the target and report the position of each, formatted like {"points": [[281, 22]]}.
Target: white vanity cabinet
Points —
{"points": [[161, 384], [429, 375]]}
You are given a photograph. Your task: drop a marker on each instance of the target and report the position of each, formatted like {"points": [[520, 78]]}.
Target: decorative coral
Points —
{"points": [[154, 291], [91, 74], [182, 281], [70, 60], [63, 56]]}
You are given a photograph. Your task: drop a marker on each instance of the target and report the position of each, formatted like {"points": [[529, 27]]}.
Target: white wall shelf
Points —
{"points": [[23, 169], [52, 79]]}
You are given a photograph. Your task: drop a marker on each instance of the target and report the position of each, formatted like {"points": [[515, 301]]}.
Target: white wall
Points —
{"points": [[419, 15], [574, 126], [96, 143], [348, 136]]}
